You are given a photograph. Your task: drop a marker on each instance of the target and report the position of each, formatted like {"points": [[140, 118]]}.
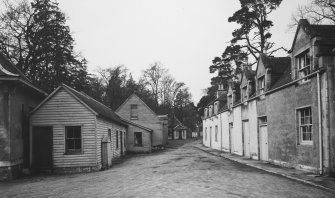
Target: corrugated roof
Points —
{"points": [[102, 110]]}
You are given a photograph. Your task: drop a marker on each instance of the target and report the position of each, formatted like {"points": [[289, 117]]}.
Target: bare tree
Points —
{"points": [[152, 77], [317, 12]]}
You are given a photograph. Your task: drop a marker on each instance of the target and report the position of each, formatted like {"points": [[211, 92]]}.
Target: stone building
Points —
{"points": [[285, 111], [18, 96]]}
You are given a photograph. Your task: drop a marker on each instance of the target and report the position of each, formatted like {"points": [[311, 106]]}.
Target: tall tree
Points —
{"points": [[36, 38], [254, 31], [229, 65]]}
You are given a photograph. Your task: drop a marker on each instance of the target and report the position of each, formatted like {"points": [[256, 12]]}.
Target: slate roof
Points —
{"points": [[9, 71], [102, 110], [285, 78], [278, 66], [325, 31]]}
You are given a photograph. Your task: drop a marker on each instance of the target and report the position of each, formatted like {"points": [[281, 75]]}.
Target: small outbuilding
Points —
{"points": [[147, 129], [72, 132]]}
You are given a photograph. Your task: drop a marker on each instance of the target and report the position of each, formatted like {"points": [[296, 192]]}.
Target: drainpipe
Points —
{"points": [[320, 124]]}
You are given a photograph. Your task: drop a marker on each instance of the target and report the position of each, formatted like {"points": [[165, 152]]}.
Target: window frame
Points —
{"points": [[301, 126], [261, 84], [303, 67], [245, 93], [66, 139], [135, 138], [117, 139], [133, 112]]}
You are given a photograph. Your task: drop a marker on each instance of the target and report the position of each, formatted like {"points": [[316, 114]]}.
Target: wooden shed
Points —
{"points": [[68, 129]]}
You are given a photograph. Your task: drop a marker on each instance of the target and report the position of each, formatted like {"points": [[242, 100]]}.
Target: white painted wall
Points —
{"points": [[225, 131], [237, 131], [253, 127]]}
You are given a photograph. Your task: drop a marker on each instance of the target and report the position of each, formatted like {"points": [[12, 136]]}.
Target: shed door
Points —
{"points": [[246, 138], [264, 151], [42, 147]]}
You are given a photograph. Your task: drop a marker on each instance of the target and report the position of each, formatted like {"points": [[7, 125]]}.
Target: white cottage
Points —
{"points": [[68, 130]]}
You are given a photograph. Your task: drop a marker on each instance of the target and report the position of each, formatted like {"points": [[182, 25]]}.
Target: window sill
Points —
{"points": [[133, 118], [302, 144], [73, 153], [138, 145]]}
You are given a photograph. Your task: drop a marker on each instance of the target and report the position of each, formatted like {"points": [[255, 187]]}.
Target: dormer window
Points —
{"points": [[244, 93], [261, 85], [230, 101], [216, 108], [304, 64]]}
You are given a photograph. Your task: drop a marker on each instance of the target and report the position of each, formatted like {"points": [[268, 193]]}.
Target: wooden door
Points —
{"points": [[210, 137], [264, 149], [121, 142], [42, 148], [246, 138], [230, 137]]}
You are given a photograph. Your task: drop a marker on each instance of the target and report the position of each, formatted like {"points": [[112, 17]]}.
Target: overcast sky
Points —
{"points": [[184, 35]]}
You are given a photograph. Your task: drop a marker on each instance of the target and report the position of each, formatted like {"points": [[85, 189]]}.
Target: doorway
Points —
{"points": [[246, 138], [42, 148], [230, 137], [263, 139]]}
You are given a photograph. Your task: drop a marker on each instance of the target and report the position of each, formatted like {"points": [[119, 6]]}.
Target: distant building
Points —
{"points": [[18, 96], [148, 130], [284, 112], [72, 132]]}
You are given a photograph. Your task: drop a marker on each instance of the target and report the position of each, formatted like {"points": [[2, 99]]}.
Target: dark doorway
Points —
{"points": [[42, 148], [121, 139]]}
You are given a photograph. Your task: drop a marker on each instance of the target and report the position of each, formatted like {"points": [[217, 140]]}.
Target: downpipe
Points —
{"points": [[320, 124]]}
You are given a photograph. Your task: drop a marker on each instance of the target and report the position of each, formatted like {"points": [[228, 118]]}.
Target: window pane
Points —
{"points": [[77, 144], [70, 144]]}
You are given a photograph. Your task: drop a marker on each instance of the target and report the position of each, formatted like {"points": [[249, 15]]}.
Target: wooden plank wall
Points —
{"points": [[64, 110], [102, 130]]}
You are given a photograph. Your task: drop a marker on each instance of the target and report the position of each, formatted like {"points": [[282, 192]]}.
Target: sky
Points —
{"points": [[184, 35]]}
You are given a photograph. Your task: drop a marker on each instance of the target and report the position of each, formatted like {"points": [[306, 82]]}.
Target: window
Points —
{"points": [[304, 64], [138, 139], [261, 85], [73, 140], [216, 133], [206, 113], [110, 135], [117, 139], [230, 101], [244, 93], [305, 125], [262, 120], [206, 134], [133, 112], [216, 108]]}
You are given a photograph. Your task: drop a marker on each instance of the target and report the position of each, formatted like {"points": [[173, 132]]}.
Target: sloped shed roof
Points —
{"points": [[96, 107]]}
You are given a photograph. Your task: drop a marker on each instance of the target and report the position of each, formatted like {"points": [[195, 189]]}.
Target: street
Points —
{"points": [[179, 171]]}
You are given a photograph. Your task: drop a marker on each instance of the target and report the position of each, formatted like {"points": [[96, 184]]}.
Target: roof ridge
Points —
{"points": [[87, 96]]}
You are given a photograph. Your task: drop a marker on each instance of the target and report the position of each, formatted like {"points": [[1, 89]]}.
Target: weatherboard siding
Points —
{"points": [[63, 110], [102, 130]]}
